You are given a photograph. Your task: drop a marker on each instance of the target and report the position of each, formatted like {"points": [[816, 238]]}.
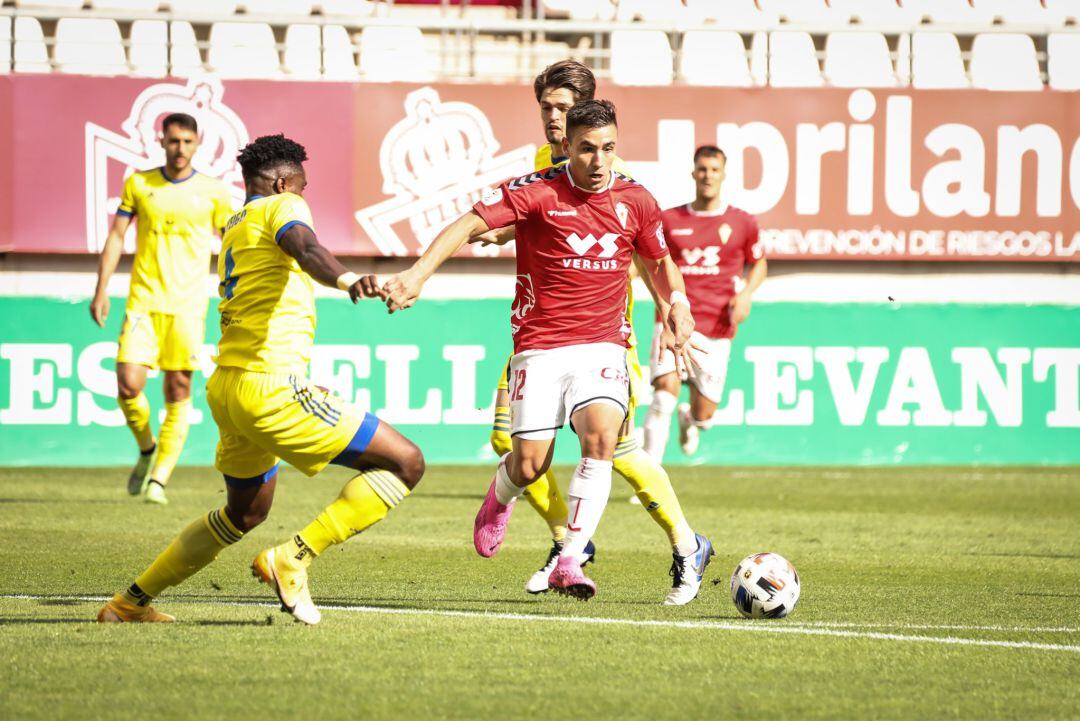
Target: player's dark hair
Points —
{"points": [[184, 120], [269, 152], [590, 115], [709, 151], [569, 74]]}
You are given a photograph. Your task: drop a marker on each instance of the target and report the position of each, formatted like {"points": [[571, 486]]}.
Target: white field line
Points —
{"points": [[776, 628]]}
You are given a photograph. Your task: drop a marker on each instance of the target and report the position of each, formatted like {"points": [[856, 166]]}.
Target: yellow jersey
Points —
{"points": [[267, 301], [176, 221], [545, 159]]}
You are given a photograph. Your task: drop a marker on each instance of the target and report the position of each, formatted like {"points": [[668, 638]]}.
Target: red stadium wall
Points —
{"points": [[832, 173]]}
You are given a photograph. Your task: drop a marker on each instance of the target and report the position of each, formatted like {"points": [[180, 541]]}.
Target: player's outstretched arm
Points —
{"points": [[110, 258], [300, 242], [402, 290], [740, 304], [498, 236]]}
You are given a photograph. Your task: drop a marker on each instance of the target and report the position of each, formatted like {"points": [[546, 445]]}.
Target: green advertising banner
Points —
{"points": [[808, 384]]}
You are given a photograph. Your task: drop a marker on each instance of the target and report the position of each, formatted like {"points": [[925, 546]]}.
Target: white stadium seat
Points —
{"points": [[89, 46], [881, 13], [1016, 12], [793, 60], [951, 12], [49, 4], [711, 57], [5, 45], [641, 57], [285, 8], [732, 14], [184, 57], [1063, 11], [649, 10], [211, 8], [579, 9], [126, 5], [395, 53], [858, 59], [810, 12], [345, 8], [339, 54], [149, 54], [1063, 61], [30, 53], [1004, 61], [243, 50], [303, 52], [936, 61]]}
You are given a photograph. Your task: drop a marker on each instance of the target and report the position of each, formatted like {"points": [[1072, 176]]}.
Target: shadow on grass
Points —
{"points": [[1068, 556]]}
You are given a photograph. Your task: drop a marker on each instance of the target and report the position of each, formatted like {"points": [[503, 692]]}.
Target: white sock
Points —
{"points": [[587, 497], [688, 547], [658, 423], [705, 424], [505, 491]]}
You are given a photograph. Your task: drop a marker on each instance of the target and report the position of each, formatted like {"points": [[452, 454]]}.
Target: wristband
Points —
{"points": [[677, 296], [346, 280]]}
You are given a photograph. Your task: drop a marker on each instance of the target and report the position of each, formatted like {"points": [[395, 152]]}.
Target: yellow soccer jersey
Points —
{"points": [[267, 302], [544, 159], [175, 223]]}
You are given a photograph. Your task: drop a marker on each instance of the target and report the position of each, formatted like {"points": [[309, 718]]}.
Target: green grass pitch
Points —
{"points": [[927, 594]]}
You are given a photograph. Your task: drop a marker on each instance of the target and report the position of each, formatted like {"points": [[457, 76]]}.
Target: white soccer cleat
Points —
{"points": [[155, 493], [688, 572], [539, 582], [688, 432]]}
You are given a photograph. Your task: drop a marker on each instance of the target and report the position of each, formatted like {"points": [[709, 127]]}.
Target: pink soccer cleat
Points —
{"points": [[569, 580], [489, 528]]}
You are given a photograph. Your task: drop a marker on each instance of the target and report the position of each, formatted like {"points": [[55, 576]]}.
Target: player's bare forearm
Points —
{"points": [[756, 276], [666, 280], [107, 262], [661, 302], [498, 236], [402, 290], [314, 259]]}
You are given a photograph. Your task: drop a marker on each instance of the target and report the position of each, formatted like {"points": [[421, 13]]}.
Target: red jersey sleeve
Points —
{"points": [[754, 251], [650, 241], [502, 206]]}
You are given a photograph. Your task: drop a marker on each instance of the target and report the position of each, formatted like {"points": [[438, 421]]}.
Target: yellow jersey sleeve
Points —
{"points": [[544, 159], [223, 209], [286, 210], [127, 197]]}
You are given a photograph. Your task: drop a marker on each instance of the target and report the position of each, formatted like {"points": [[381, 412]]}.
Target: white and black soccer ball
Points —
{"points": [[765, 585]]}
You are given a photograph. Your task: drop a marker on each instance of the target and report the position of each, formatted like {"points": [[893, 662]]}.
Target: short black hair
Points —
{"points": [[709, 151], [590, 114], [184, 120], [269, 152], [570, 74]]}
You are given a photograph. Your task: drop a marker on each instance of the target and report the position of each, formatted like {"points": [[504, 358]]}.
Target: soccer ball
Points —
{"points": [[765, 585]]}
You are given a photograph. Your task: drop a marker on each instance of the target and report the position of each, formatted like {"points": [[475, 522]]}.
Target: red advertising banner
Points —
{"points": [[831, 173]]}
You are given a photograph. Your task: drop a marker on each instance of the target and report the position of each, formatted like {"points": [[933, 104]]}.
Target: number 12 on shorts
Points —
{"points": [[519, 385]]}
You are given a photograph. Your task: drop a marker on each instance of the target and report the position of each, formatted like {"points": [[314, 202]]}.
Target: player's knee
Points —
{"points": [[177, 387], [599, 444], [668, 382], [530, 469], [247, 518], [411, 467]]}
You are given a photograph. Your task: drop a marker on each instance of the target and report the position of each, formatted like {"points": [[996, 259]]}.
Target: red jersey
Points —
{"points": [[574, 250], [711, 249]]}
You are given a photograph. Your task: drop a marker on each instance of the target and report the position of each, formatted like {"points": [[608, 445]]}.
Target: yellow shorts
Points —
{"points": [[158, 340], [633, 366], [262, 417]]}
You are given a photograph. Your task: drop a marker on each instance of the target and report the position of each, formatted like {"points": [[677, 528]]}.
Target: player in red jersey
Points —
{"points": [[712, 243], [577, 228]]}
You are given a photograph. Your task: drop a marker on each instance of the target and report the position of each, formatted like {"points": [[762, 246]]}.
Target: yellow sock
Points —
{"points": [[653, 488], [543, 494], [363, 502], [137, 414], [174, 432], [195, 547]]}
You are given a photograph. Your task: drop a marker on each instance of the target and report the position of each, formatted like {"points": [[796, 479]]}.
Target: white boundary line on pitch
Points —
{"points": [[593, 620]]}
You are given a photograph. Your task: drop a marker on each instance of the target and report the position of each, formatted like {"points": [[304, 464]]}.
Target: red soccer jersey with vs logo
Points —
{"points": [[574, 250], [711, 250]]}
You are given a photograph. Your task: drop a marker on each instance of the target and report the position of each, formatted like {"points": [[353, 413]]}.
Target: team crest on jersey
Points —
{"points": [[436, 162], [622, 213], [111, 156], [724, 232], [524, 300]]}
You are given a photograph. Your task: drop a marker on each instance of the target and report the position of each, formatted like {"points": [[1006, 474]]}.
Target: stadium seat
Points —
{"points": [[714, 58], [243, 50], [89, 46], [744, 15], [339, 54], [858, 59], [1062, 12], [879, 13], [210, 8], [759, 58], [1016, 12], [497, 59], [649, 10], [793, 60], [578, 9], [951, 12], [30, 53], [125, 5], [395, 53], [1004, 61], [303, 48], [49, 4], [936, 61], [149, 55], [1063, 60], [184, 57], [810, 12], [641, 57], [345, 8], [283, 8], [5, 45]]}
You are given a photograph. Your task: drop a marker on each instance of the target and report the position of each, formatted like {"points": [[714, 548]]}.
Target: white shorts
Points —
{"points": [[548, 386], [710, 365]]}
